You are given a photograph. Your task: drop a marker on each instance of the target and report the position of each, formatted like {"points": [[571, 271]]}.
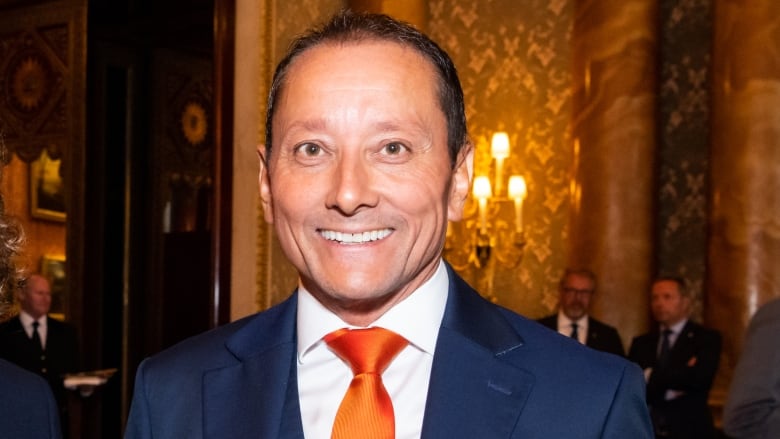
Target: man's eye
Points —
{"points": [[394, 148], [310, 149]]}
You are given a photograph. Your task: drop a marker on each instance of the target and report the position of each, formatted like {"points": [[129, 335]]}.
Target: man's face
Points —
{"points": [[575, 294], [359, 185], [36, 297], [667, 304]]}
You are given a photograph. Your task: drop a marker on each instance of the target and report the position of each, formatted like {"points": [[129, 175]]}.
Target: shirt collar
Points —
{"points": [[417, 318], [27, 320], [565, 322], [677, 327]]}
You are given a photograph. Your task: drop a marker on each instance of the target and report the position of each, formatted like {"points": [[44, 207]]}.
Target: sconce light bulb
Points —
{"points": [[499, 145], [481, 189], [517, 187]]}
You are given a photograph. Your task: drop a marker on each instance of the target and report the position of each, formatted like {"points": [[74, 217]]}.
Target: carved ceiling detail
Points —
{"points": [[33, 91]]}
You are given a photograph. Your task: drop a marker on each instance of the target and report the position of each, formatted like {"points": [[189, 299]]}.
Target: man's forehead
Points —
{"points": [[665, 287], [577, 278], [330, 52]]}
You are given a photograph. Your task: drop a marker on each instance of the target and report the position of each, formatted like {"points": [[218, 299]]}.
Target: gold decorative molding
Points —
{"points": [[35, 87]]}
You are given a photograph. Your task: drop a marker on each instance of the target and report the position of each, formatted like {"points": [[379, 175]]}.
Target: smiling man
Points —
{"points": [[366, 159]]}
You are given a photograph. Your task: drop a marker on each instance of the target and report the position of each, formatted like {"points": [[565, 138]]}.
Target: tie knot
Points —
{"points": [[667, 332], [36, 324], [367, 350]]}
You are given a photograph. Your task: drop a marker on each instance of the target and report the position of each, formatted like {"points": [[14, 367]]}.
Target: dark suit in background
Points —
{"points": [[601, 336], [690, 369], [61, 354], [27, 408]]}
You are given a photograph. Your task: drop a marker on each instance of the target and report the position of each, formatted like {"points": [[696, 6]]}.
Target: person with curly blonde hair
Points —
{"points": [[26, 402]]}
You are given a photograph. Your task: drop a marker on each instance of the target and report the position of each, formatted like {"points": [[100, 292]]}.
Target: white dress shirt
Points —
{"points": [[565, 328], [27, 323], [323, 378]]}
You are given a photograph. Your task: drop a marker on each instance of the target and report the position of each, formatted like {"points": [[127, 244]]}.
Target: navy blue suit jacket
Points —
{"points": [[495, 375], [27, 407]]}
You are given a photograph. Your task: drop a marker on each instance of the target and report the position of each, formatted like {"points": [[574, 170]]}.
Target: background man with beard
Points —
{"points": [[575, 291]]}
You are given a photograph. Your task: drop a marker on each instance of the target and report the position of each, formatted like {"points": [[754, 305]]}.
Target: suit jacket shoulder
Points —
{"points": [[604, 337], [10, 326], [231, 381], [27, 405], [514, 377]]}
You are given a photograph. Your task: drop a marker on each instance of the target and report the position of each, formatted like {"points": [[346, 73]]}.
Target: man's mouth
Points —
{"points": [[355, 238]]}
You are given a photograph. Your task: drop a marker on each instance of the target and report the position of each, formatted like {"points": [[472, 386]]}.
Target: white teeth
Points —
{"points": [[355, 238]]}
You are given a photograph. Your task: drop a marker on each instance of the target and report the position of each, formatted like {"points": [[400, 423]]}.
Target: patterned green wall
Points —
{"points": [[684, 91]]}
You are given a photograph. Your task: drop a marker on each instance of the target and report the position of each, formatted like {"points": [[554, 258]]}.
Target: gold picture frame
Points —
{"points": [[53, 269], [47, 192]]}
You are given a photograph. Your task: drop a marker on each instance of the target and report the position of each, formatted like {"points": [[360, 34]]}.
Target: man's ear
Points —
{"points": [[461, 182], [266, 201]]}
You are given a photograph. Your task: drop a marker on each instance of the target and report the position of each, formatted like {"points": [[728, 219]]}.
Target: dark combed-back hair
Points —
{"points": [[682, 286], [352, 27], [581, 272]]}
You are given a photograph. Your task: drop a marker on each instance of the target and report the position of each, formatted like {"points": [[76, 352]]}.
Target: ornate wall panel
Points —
{"points": [[684, 118], [514, 61], [37, 68], [184, 130]]}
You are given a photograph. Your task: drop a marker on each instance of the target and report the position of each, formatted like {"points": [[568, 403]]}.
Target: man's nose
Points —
{"points": [[352, 186]]}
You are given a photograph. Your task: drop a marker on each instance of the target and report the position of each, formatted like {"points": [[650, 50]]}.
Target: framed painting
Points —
{"points": [[53, 269], [47, 195]]}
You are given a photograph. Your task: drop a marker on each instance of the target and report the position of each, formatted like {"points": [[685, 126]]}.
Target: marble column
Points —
{"points": [[411, 11], [744, 242], [613, 135]]}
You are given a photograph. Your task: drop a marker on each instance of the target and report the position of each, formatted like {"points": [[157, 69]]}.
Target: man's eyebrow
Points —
{"points": [[309, 124], [389, 125]]}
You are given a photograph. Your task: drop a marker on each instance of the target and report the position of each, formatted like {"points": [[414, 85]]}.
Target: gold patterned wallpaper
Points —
{"points": [[514, 62], [513, 59]]}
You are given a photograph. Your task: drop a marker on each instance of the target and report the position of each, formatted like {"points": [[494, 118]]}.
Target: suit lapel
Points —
{"points": [[257, 396], [473, 392]]}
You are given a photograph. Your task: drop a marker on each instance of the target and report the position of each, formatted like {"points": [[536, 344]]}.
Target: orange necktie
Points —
{"points": [[366, 412]]}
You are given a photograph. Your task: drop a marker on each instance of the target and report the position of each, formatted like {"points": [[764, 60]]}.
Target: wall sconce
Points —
{"points": [[493, 220]]}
